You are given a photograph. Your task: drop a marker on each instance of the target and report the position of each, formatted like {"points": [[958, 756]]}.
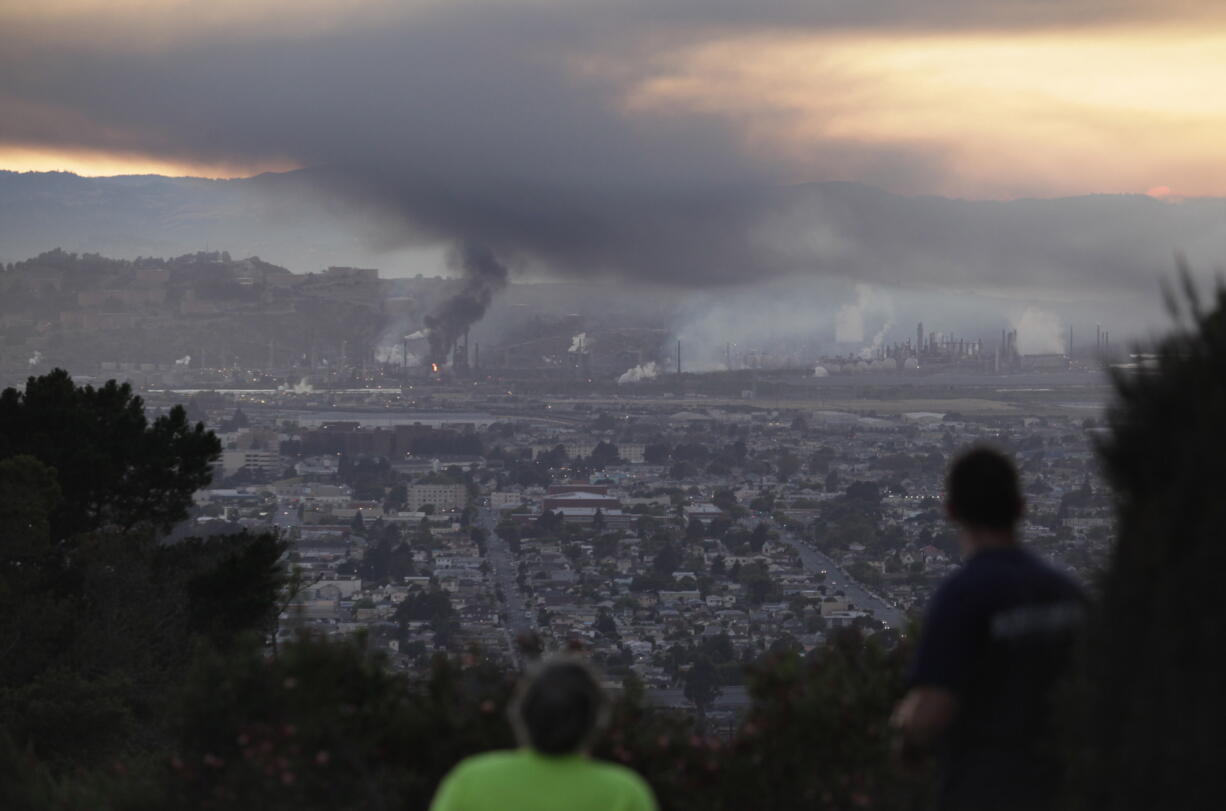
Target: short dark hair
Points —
{"points": [[560, 709], [982, 489]]}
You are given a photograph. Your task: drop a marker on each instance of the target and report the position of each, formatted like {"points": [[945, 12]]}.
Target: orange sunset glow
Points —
{"points": [[93, 163], [1037, 113], [1003, 103]]}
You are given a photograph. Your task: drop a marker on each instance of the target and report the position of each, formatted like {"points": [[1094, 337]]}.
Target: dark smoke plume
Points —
{"points": [[512, 126], [484, 276]]}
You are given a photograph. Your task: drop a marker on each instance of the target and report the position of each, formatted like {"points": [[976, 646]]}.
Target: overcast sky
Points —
{"points": [[647, 138]]}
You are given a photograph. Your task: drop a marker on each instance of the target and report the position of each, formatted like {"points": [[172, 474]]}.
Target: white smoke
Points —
{"points": [[849, 324], [390, 348], [395, 354], [870, 351], [303, 386], [871, 305], [1038, 332], [820, 371], [36, 358], [644, 371], [186, 360], [578, 343]]}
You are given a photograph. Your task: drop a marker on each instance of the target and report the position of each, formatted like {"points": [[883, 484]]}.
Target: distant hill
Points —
{"points": [[1092, 245], [151, 215]]}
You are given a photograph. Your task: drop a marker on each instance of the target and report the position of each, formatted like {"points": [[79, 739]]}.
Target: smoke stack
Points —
{"points": [[678, 357]]}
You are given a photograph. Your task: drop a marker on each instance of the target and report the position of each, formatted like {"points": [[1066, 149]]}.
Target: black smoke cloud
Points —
{"points": [[490, 125], [483, 277]]}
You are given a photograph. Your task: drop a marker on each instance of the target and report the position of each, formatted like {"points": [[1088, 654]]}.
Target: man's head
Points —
{"points": [[982, 493], [560, 709]]}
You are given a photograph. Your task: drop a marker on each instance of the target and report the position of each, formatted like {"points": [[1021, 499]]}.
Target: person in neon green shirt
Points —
{"points": [[557, 716]]}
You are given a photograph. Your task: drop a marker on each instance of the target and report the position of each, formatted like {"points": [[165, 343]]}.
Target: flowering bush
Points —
{"points": [[324, 725]]}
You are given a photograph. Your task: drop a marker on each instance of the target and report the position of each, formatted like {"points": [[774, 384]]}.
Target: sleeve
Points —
{"points": [[949, 641], [447, 798]]}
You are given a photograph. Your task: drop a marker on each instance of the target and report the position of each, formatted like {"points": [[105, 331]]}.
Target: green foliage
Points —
{"points": [[115, 469], [1152, 680], [29, 493], [817, 736], [787, 466], [326, 725], [105, 636], [702, 683]]}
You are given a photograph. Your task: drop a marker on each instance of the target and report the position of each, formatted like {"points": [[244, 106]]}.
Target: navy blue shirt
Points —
{"points": [[998, 634]]}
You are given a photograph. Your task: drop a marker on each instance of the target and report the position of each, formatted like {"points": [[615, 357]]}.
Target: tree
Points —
{"points": [[724, 499], [107, 630], [695, 530], [29, 494], [787, 466], [604, 454], [759, 537], [605, 624], [763, 502], [702, 685], [115, 469], [759, 587], [1152, 676], [682, 470], [667, 560], [656, 454], [397, 497]]}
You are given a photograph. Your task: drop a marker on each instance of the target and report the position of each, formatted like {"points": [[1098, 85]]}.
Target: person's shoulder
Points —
{"points": [[487, 762], [958, 584], [1046, 569], [627, 779]]}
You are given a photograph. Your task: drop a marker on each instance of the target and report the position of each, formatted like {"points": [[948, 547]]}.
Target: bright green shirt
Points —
{"points": [[524, 780]]}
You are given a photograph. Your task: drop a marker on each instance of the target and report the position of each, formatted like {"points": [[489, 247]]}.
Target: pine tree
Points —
{"points": [[1154, 673]]}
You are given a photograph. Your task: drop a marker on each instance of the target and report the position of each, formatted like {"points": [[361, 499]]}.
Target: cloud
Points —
{"points": [[584, 138]]}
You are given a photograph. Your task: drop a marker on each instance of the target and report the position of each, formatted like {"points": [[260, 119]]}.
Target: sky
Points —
{"points": [[975, 99], [644, 139]]}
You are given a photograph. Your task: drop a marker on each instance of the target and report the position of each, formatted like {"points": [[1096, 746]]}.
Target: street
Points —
{"points": [[838, 580], [519, 620]]}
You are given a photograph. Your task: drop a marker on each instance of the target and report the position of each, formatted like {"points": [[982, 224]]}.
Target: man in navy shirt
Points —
{"points": [[996, 639]]}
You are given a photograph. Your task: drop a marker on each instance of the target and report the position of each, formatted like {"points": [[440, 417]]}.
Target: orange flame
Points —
{"points": [[434, 368]]}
